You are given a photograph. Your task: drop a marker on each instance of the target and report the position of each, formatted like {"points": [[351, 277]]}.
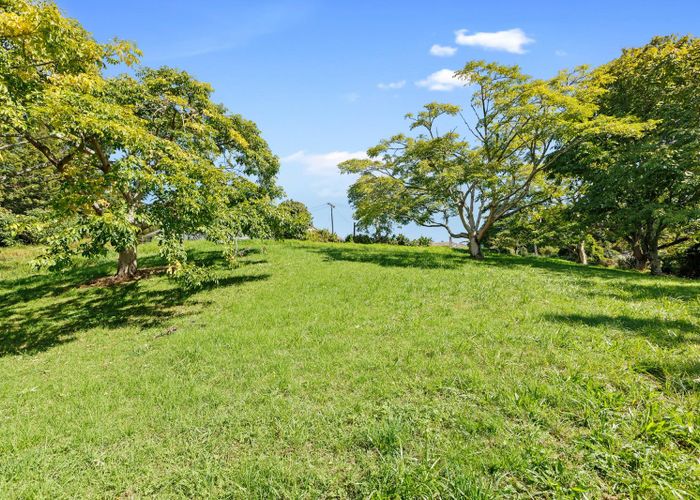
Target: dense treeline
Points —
{"points": [[599, 165]]}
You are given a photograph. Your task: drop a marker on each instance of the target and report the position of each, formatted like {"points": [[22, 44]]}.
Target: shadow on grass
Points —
{"points": [[666, 333], [681, 376], [44, 310], [395, 256], [615, 283]]}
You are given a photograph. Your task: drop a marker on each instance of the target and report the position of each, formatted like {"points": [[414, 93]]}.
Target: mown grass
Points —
{"points": [[317, 370]]}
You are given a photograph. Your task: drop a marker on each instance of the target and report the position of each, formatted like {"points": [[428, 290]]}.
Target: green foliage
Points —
{"points": [[7, 221], [646, 189], [689, 262], [391, 239], [596, 252], [402, 240], [130, 155], [521, 125], [326, 370], [322, 236], [294, 220], [684, 261]]}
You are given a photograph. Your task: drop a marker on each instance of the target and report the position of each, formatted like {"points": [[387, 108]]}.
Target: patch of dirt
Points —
{"points": [[115, 280]]}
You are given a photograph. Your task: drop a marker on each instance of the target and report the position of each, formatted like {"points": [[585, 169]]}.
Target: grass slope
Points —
{"points": [[349, 371]]}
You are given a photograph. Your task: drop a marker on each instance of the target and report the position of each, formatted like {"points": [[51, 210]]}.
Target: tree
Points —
{"points": [[521, 126], [293, 220], [646, 189], [27, 185], [132, 154]]}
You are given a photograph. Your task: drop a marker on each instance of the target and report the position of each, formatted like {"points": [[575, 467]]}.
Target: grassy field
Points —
{"points": [[317, 370]]}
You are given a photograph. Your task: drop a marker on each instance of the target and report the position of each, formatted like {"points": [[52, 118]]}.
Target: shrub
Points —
{"points": [[7, 220], [548, 251], [322, 236], [293, 220], [596, 253], [402, 240], [363, 238], [423, 241], [684, 263]]}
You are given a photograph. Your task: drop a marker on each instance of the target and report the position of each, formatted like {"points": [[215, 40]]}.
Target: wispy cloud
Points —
{"points": [[225, 33], [443, 80], [320, 171], [560, 53], [513, 40], [442, 50], [392, 85]]}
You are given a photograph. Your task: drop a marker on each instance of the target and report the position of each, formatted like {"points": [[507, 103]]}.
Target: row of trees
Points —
{"points": [[611, 153], [95, 162]]}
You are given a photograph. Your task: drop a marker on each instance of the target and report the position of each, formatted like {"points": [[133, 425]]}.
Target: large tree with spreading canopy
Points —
{"points": [[520, 126], [646, 189], [131, 154]]}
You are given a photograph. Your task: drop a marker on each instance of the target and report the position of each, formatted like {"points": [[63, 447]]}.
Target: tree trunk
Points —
{"points": [[654, 260], [581, 253], [640, 259], [475, 247], [127, 263], [535, 250]]}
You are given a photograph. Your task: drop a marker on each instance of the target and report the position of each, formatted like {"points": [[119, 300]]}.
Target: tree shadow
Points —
{"points": [[680, 376], [616, 283], [45, 310], [667, 333], [395, 256]]}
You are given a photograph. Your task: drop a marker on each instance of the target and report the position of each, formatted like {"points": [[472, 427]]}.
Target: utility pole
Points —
{"points": [[332, 226]]}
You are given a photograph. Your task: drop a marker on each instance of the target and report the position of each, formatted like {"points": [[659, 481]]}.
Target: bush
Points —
{"points": [[684, 263], [596, 253], [402, 240], [292, 221], [362, 238], [399, 239], [322, 236], [7, 220], [690, 262], [548, 251]]}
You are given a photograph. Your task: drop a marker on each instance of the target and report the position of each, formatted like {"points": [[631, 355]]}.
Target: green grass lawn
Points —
{"points": [[321, 370]]}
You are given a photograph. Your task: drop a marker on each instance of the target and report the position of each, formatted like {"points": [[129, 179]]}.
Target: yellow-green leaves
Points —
{"points": [[518, 126], [132, 154]]}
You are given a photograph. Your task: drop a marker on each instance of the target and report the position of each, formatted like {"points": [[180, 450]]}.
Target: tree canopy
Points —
{"points": [[646, 188], [520, 126], [132, 154]]}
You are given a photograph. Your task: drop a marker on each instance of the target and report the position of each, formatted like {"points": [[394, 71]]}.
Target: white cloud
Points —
{"points": [[560, 53], [442, 50], [511, 41], [444, 79], [323, 164], [320, 171], [392, 85]]}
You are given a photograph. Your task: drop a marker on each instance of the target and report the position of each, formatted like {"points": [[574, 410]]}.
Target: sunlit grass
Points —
{"points": [[348, 371]]}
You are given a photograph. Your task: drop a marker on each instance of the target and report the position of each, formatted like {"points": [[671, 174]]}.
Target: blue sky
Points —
{"points": [[325, 80]]}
